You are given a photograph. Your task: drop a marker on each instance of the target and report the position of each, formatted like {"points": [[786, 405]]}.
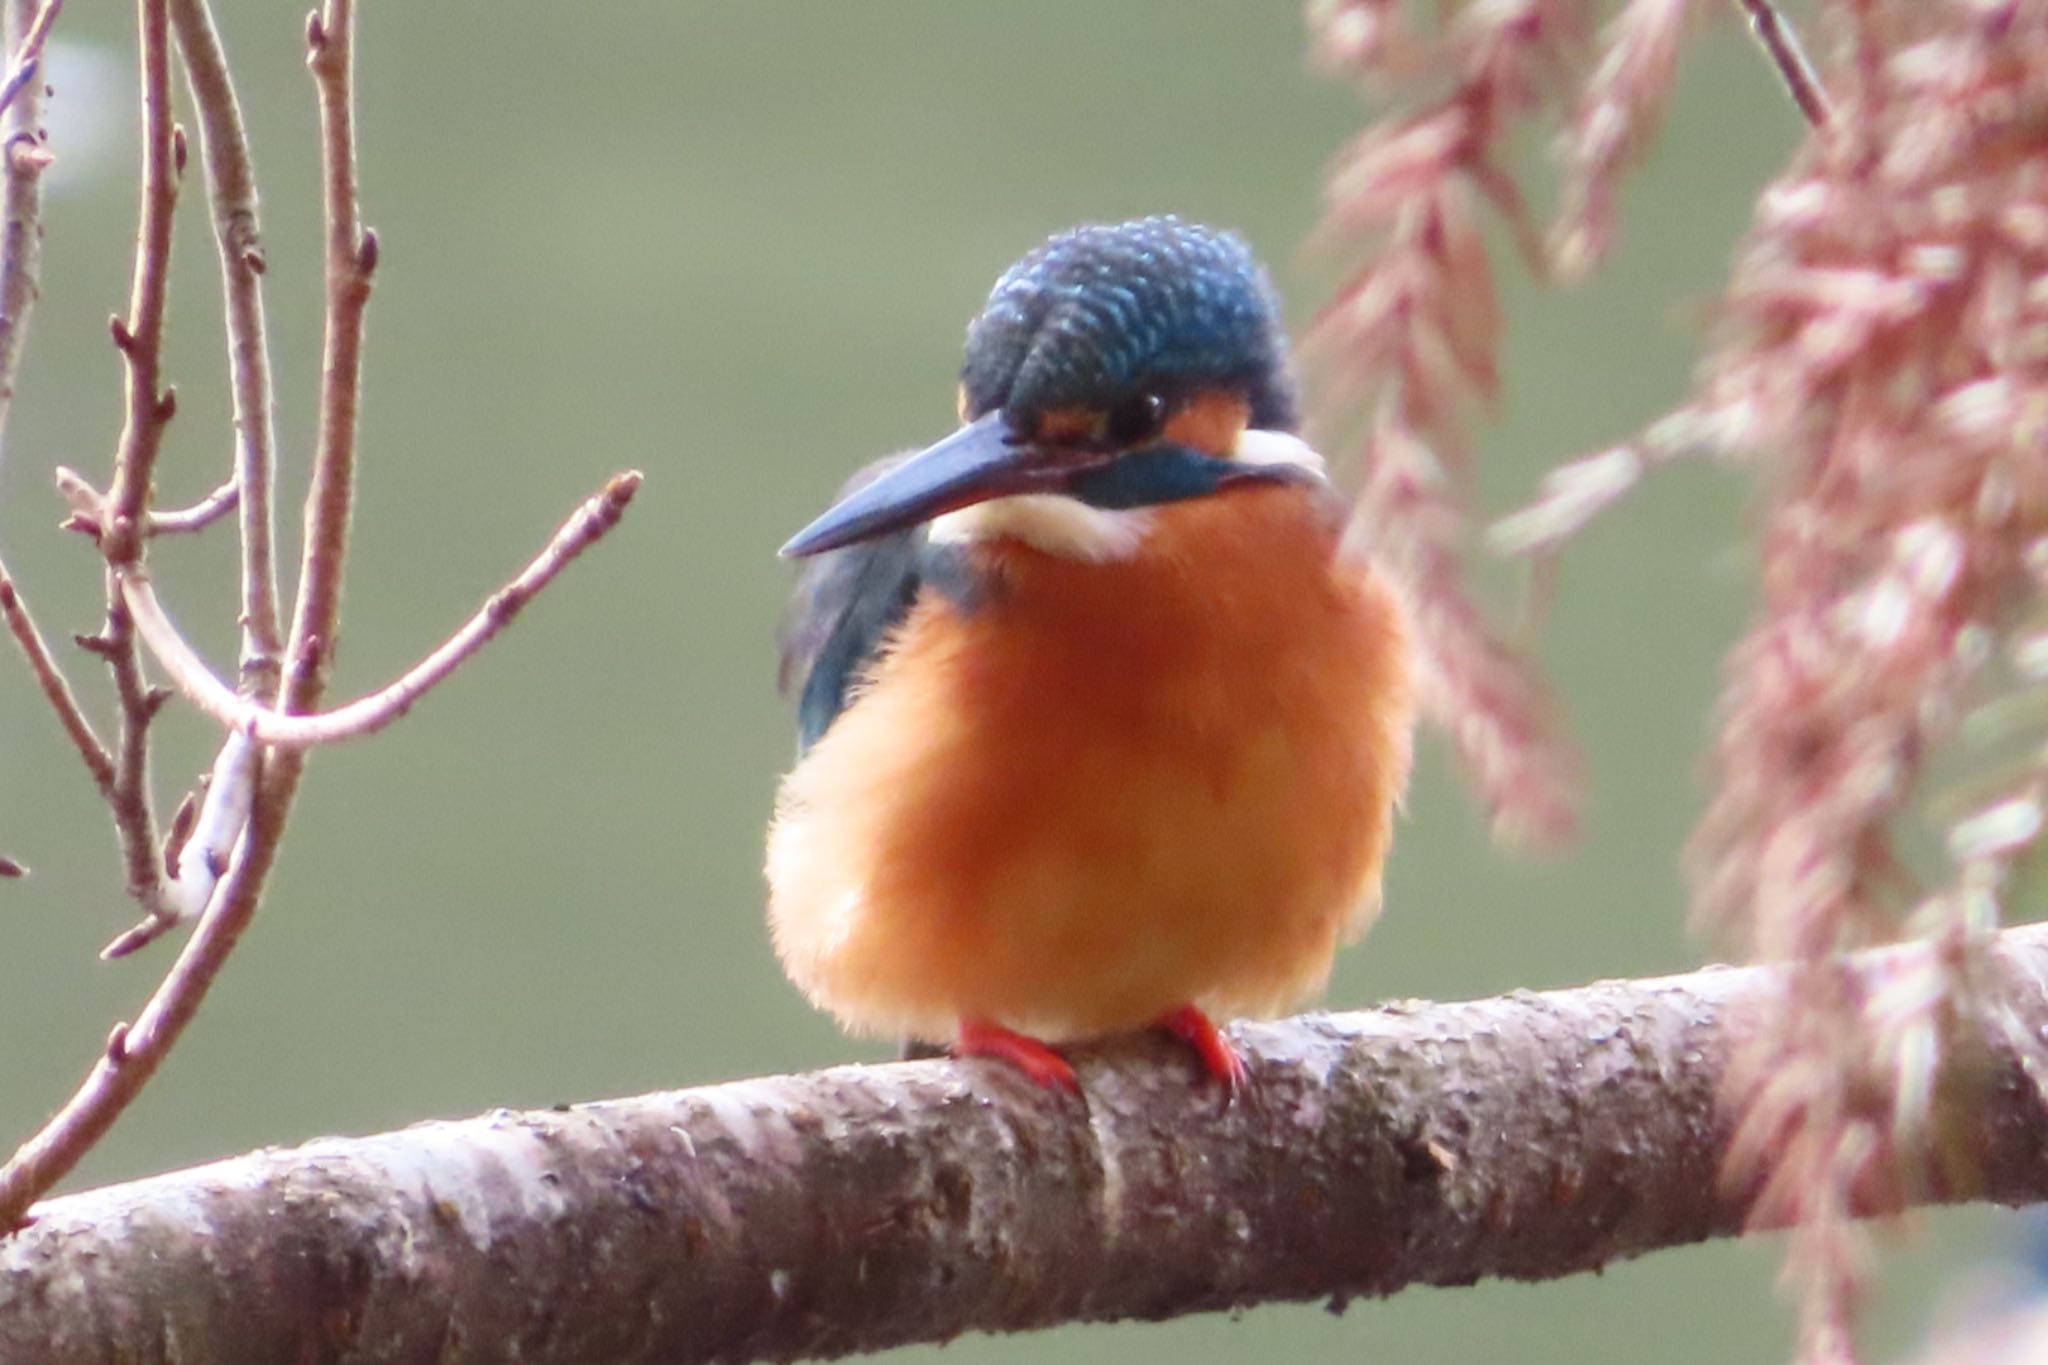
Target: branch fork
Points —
{"points": [[209, 868]]}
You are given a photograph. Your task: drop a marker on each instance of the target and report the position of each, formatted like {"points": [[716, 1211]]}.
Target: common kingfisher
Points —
{"points": [[1101, 726]]}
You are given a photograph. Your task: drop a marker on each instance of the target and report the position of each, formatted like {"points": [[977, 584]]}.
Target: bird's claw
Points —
{"points": [[980, 1038], [1212, 1049]]}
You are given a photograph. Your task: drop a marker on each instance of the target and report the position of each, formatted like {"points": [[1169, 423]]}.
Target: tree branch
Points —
{"points": [[231, 178], [27, 27], [222, 847], [28, 53], [200, 515], [1780, 42], [351, 261], [21, 239], [367, 715], [55, 686], [21, 251], [149, 408], [133, 1054], [1528, 1137]]}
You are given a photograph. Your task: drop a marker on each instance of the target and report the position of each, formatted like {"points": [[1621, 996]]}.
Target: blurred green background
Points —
{"points": [[735, 246]]}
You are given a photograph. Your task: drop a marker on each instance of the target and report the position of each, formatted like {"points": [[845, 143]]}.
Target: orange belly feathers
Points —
{"points": [[1102, 791]]}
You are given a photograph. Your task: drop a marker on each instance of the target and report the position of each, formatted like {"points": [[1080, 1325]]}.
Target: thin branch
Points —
{"points": [[351, 261], [129, 801], [228, 842], [1530, 1136], [28, 54], [55, 686], [200, 515], [139, 337], [133, 1054], [367, 715], [149, 408], [21, 243], [231, 178], [27, 28], [200, 846], [1780, 42]]}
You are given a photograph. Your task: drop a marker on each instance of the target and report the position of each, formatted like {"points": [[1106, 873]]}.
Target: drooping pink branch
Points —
{"points": [[367, 715], [1871, 362], [1617, 116], [1407, 349]]}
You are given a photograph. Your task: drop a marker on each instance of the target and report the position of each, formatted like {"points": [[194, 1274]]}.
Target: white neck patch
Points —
{"points": [[1069, 529], [1258, 446], [1060, 526]]}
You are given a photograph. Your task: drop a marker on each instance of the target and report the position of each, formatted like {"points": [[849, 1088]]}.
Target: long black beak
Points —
{"points": [[978, 462]]}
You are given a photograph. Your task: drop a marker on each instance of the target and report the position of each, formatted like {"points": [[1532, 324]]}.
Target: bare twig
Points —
{"points": [[28, 53], [1780, 42], [132, 1054], [1530, 1136], [26, 28], [21, 246], [369, 714], [200, 515], [139, 338], [55, 686], [351, 260], [139, 701], [224, 845], [231, 178], [136, 937]]}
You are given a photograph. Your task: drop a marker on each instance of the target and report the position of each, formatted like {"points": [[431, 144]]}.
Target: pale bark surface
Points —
{"points": [[1528, 1136]]}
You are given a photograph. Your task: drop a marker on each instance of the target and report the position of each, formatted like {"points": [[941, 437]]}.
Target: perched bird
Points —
{"points": [[1100, 728]]}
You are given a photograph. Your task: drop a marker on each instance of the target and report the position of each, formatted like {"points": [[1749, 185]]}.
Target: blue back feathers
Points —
{"points": [[846, 601]]}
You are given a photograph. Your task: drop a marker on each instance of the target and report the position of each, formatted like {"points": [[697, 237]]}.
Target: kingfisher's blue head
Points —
{"points": [[1096, 371], [1106, 315]]}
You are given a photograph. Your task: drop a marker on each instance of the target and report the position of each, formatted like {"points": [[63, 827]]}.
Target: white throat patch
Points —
{"points": [[1060, 526], [1070, 529], [1257, 446]]}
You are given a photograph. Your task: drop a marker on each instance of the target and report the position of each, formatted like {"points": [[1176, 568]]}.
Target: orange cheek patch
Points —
{"points": [[1068, 424], [1210, 423]]}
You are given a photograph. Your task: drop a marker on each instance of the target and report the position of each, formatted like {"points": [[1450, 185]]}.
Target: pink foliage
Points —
{"points": [[1881, 363]]}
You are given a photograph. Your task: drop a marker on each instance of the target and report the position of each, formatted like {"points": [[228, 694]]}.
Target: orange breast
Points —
{"points": [[1107, 790]]}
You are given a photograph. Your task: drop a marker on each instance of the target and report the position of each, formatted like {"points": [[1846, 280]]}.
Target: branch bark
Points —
{"points": [[1529, 1136]]}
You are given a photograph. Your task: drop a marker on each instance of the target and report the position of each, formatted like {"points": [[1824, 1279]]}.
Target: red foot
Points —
{"points": [[980, 1038], [1217, 1056]]}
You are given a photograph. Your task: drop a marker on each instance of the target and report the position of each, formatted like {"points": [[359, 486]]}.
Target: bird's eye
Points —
{"points": [[1135, 419]]}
